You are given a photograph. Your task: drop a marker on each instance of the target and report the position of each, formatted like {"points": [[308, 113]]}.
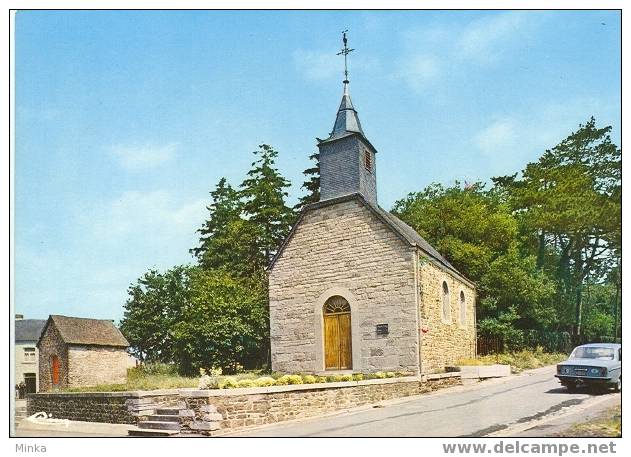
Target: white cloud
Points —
{"points": [[440, 51], [141, 156], [496, 137], [418, 71], [153, 216], [522, 137], [484, 39]]}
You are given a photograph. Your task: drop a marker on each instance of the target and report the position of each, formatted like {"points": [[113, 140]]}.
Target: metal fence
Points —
{"points": [[531, 339]]}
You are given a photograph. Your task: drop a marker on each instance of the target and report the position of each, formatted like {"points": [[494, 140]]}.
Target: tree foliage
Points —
{"points": [[196, 318], [311, 183], [568, 205]]}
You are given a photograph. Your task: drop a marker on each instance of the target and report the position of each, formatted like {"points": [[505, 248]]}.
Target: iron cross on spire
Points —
{"points": [[345, 51]]}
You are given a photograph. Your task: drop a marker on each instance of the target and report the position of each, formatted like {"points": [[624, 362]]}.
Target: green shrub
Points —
{"points": [[334, 378], [390, 374], [358, 377], [246, 383], [320, 379], [309, 379], [228, 383], [380, 375], [346, 377], [289, 379], [264, 381]]}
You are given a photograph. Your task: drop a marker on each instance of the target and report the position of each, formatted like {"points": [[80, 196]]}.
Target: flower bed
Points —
{"points": [[216, 381]]}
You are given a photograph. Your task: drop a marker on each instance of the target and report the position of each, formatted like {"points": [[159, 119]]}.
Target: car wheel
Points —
{"points": [[618, 386]]}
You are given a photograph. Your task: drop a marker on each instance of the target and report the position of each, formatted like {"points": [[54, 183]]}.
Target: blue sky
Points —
{"points": [[126, 120]]}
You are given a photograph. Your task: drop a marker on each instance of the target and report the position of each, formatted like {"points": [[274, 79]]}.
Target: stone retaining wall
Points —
{"points": [[235, 408], [109, 407], [259, 406]]}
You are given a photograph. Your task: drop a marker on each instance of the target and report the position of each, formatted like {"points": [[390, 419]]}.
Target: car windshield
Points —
{"points": [[593, 352]]}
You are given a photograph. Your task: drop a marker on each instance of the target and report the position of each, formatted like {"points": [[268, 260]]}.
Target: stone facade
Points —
{"points": [[345, 250], [51, 344], [89, 366], [443, 342]]}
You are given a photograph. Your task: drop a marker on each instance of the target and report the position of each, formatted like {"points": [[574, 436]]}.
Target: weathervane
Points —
{"points": [[345, 51]]}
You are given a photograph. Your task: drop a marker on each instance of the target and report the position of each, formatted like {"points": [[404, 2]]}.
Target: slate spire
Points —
{"points": [[346, 120]]}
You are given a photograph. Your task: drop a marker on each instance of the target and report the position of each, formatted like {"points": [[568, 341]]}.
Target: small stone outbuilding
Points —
{"points": [[354, 288], [76, 352]]}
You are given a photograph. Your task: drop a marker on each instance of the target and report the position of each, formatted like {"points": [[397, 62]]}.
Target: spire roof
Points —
{"points": [[347, 120]]}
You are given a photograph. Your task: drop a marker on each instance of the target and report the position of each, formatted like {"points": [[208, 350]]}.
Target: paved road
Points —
{"points": [[480, 410]]}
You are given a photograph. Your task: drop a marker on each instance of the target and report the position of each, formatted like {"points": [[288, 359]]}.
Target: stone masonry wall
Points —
{"points": [[444, 342], [265, 408], [52, 344], [95, 407], [344, 246], [94, 365], [233, 408]]}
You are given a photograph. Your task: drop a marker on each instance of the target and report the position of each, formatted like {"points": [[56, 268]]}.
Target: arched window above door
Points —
{"points": [[336, 304]]}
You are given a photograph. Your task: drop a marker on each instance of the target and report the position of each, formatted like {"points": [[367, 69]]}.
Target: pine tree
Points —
{"points": [[224, 210], [311, 184], [264, 196]]}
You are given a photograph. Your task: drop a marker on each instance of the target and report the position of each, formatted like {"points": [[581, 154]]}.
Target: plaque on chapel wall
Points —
{"points": [[382, 329]]}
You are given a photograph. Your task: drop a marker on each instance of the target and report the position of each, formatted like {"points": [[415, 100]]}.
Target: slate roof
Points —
{"points": [[400, 228], [89, 332], [346, 122], [28, 329]]}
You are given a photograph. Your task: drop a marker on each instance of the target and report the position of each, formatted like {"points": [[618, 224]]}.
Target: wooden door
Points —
{"points": [[55, 370], [346, 355], [337, 335]]}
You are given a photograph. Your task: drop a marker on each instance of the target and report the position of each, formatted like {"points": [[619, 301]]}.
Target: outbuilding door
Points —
{"points": [[337, 334], [55, 370]]}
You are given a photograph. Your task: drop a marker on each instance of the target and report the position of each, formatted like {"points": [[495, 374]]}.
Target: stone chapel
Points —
{"points": [[354, 288]]}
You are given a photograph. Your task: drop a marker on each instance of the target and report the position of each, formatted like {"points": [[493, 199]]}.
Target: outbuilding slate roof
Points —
{"points": [[28, 329], [89, 332], [399, 227]]}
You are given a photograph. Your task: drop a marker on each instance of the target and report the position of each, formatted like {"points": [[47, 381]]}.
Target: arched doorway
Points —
{"points": [[337, 334]]}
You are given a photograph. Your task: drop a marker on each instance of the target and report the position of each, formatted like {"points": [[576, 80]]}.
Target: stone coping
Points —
{"points": [[197, 393], [432, 376], [125, 394]]}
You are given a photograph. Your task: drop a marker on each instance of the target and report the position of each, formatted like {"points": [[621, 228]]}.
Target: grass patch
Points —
{"points": [[607, 425], [519, 361], [143, 378]]}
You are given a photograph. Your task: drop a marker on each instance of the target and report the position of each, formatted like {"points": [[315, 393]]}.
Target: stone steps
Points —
{"points": [[158, 420], [163, 420], [159, 425], [164, 417]]}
